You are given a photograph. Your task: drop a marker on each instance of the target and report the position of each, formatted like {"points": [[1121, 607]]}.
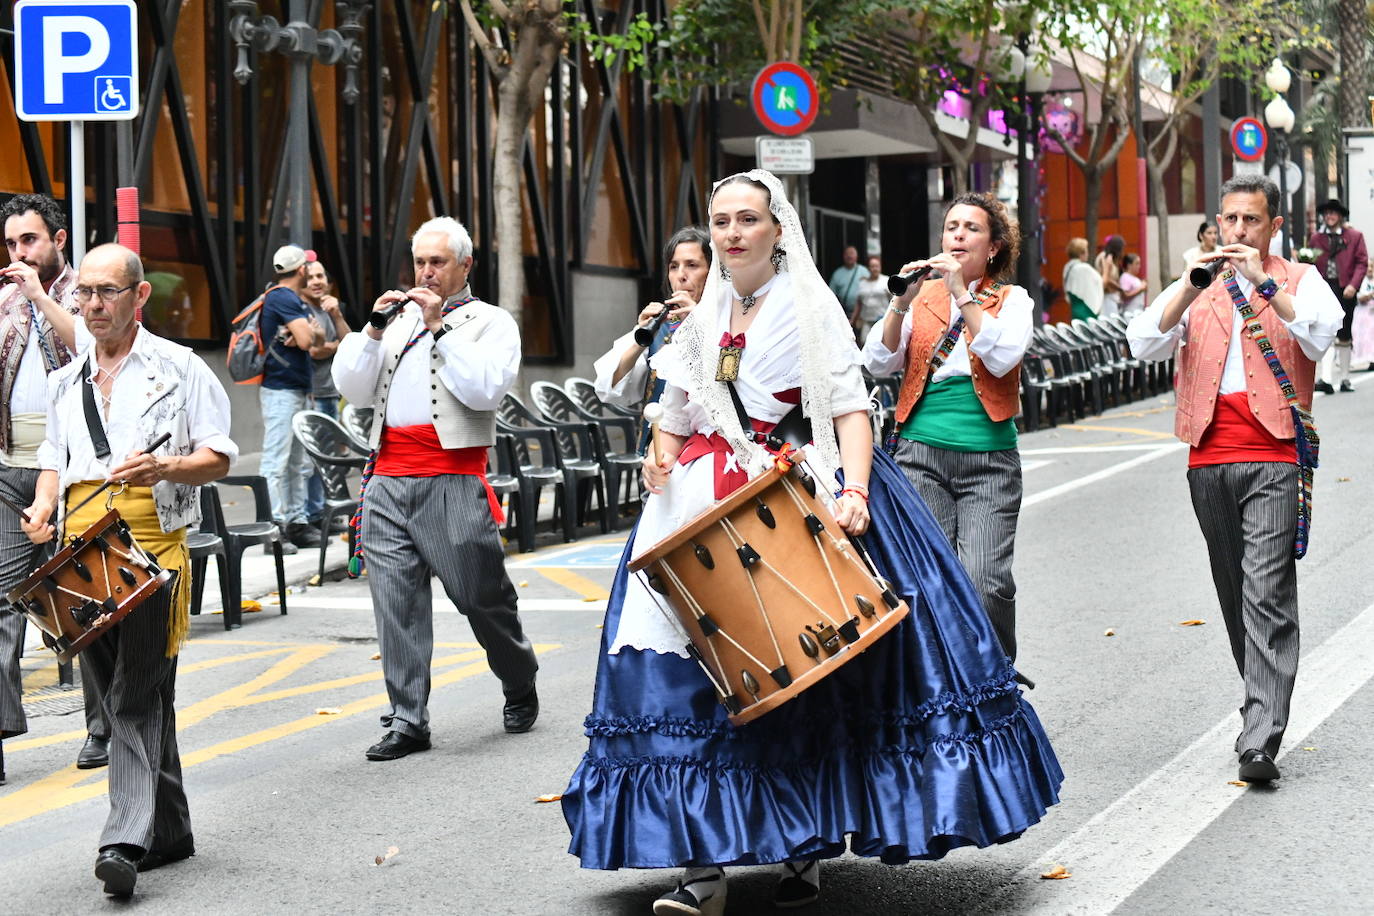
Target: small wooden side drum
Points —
{"points": [[89, 586], [771, 593]]}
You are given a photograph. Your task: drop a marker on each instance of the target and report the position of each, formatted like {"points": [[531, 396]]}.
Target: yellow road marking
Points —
{"points": [[63, 787], [571, 580]]}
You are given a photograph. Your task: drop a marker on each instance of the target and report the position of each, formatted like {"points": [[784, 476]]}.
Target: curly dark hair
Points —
{"points": [[1002, 227], [42, 204]]}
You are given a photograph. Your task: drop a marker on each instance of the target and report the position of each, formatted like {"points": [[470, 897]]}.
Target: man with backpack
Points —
{"points": [[288, 333]]}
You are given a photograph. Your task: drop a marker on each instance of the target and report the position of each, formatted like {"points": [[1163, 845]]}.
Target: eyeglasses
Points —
{"points": [[107, 294]]}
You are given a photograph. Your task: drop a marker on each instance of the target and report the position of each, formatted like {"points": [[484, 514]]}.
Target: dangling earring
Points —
{"points": [[779, 259], [724, 272]]}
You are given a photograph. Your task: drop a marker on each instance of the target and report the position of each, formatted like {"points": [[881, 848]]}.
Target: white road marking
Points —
{"points": [[1091, 449], [1119, 849], [1157, 452]]}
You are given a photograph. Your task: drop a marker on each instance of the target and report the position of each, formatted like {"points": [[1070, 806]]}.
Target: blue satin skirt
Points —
{"points": [[921, 745]]}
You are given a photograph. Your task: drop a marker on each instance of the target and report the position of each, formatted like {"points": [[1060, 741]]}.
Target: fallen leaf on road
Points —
{"points": [[1110, 632], [1237, 782], [1058, 873], [523, 583], [1309, 748], [1192, 623], [251, 607], [376, 656], [390, 851], [315, 579], [1342, 480], [545, 799], [600, 626], [592, 600], [329, 711]]}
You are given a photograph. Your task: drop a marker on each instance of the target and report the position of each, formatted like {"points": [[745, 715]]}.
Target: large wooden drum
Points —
{"points": [[89, 586], [770, 592]]}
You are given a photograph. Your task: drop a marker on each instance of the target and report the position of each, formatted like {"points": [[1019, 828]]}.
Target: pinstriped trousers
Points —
{"points": [[1248, 513], [417, 527], [18, 558], [976, 498], [138, 683]]}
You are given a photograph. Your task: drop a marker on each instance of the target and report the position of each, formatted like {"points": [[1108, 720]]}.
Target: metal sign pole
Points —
{"points": [[76, 190]]}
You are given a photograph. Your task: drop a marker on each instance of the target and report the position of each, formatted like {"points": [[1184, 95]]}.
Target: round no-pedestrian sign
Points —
{"points": [[1248, 140], [785, 98]]}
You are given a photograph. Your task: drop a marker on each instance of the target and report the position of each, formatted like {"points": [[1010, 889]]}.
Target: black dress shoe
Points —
{"points": [[156, 857], [1346, 386], [116, 867], [1257, 766], [521, 711], [302, 535], [1324, 387], [395, 746], [95, 753]]}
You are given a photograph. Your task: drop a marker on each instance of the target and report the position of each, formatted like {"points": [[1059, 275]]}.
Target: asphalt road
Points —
{"points": [[289, 816]]}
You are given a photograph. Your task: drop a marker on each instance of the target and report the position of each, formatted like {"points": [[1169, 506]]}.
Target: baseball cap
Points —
{"points": [[288, 258]]}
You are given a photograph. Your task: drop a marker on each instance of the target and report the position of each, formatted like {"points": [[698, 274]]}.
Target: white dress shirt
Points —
{"points": [[1317, 316], [630, 389], [477, 372], [1000, 343], [137, 388]]}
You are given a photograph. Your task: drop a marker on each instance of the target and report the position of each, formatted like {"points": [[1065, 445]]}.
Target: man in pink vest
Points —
{"points": [[1242, 467]]}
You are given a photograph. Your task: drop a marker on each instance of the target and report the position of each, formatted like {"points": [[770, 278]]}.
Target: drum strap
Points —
{"points": [[93, 422], [793, 428]]}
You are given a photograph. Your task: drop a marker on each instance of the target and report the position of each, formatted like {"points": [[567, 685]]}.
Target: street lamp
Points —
{"points": [[1279, 116], [303, 44]]}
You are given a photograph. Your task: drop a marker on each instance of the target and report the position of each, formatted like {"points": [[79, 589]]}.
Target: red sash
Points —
{"points": [[1237, 435], [415, 451]]}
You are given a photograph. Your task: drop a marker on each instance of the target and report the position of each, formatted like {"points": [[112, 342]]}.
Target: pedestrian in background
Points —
{"points": [[873, 297], [287, 381], [1082, 284], [1343, 261], [326, 315], [844, 282], [1362, 325], [1206, 243], [1108, 264], [1132, 286]]}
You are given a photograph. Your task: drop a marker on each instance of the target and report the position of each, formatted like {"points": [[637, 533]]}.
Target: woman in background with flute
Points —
{"points": [[920, 745], [623, 375], [959, 341]]}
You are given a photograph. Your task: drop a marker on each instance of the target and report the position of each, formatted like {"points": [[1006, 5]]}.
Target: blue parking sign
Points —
{"points": [[76, 61]]}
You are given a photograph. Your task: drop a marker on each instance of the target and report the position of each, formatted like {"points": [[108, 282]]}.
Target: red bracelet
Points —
{"points": [[859, 493]]}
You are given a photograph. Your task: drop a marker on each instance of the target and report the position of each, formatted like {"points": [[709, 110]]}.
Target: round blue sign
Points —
{"points": [[785, 98], [1249, 140]]}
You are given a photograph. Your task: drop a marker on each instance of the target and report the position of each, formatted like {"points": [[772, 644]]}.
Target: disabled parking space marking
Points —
{"points": [[588, 602], [68, 785], [600, 554]]}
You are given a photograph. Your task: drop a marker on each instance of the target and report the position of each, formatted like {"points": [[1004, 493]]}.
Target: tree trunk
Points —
{"points": [[512, 122], [1092, 189], [1159, 205]]}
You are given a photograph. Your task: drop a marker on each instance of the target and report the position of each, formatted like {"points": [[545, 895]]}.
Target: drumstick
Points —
{"points": [[652, 414], [152, 447], [14, 506]]}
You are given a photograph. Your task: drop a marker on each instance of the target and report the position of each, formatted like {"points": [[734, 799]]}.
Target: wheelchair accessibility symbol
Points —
{"points": [[112, 93]]}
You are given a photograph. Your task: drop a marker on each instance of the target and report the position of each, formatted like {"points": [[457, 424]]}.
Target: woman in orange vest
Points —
{"points": [[958, 341]]}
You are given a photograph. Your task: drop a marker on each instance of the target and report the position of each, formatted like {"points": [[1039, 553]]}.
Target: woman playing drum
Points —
{"points": [[920, 745], [959, 342]]}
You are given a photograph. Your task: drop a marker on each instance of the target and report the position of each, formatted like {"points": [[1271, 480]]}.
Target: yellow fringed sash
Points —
{"points": [[137, 508]]}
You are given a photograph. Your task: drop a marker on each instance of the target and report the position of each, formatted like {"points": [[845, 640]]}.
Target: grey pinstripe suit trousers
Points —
{"points": [[18, 557], [418, 527], [1248, 513], [138, 684], [976, 498]]}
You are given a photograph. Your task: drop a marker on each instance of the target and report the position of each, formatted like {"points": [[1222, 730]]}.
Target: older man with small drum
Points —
{"points": [[104, 409]]}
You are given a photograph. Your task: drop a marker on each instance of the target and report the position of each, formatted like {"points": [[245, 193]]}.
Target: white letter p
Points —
{"points": [[57, 65]]}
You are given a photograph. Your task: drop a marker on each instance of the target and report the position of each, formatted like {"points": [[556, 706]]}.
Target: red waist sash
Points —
{"points": [[415, 451], [1236, 435], [729, 475]]}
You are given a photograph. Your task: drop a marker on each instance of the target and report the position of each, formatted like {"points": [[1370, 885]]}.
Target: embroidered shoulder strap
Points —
{"points": [[951, 337], [1305, 438]]}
